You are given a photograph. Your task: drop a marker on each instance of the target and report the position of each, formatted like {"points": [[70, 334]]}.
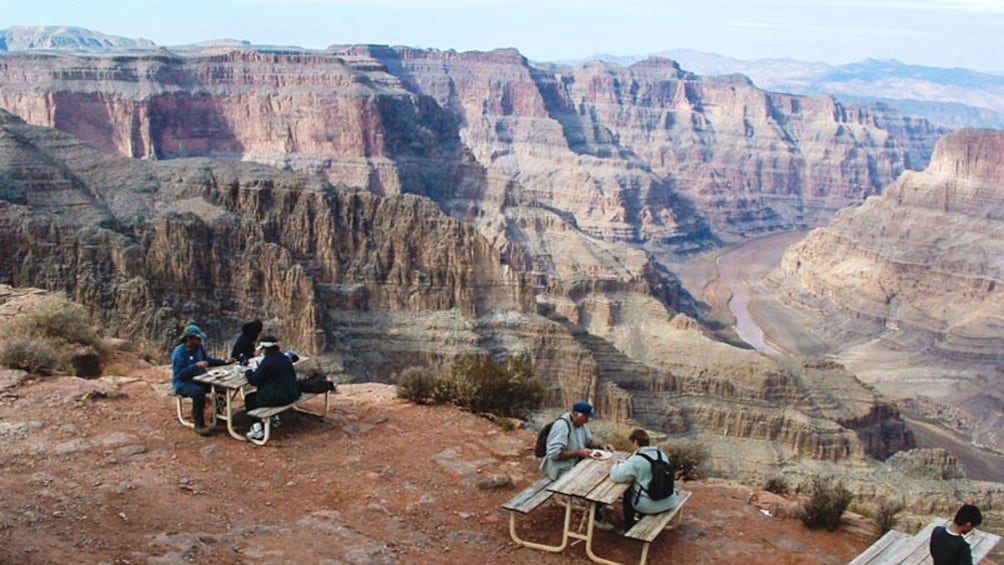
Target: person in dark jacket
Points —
{"points": [[275, 378], [244, 346], [947, 545], [188, 360]]}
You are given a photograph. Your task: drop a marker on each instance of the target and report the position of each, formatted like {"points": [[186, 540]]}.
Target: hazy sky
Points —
{"points": [[964, 33]]}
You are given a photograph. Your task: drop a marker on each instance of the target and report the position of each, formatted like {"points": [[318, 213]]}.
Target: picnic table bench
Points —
{"points": [[265, 413], [588, 484], [900, 548], [651, 525], [529, 499]]}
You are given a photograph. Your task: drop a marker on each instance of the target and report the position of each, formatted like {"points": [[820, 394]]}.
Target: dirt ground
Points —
{"points": [[100, 471]]}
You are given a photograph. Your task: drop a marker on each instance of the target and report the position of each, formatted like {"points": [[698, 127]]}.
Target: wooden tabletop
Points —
{"points": [[590, 479], [225, 376]]}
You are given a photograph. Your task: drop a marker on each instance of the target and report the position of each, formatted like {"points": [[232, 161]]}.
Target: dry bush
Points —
{"points": [[776, 484], [687, 457], [28, 355], [59, 325], [486, 387], [826, 504], [885, 514], [416, 384]]}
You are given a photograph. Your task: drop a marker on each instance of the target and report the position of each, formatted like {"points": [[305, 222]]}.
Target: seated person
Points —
{"points": [[638, 470], [276, 381], [570, 441], [189, 360], [244, 347], [947, 546]]}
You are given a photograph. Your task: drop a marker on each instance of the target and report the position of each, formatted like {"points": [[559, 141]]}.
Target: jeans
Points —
{"points": [[197, 392]]}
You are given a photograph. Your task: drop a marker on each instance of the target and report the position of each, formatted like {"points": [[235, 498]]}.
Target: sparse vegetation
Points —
{"points": [[776, 484], [885, 514], [44, 337], [28, 355], [416, 384], [688, 456], [479, 385], [826, 504]]}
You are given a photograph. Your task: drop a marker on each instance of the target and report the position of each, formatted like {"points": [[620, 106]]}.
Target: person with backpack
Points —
{"points": [[652, 474], [568, 441]]}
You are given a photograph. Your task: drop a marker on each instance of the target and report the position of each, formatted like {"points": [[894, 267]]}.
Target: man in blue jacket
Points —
{"points": [[188, 360], [275, 378]]}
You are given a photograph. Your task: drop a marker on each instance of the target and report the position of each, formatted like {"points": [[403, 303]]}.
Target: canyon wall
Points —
{"points": [[913, 278]]}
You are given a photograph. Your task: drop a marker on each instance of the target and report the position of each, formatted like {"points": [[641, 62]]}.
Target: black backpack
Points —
{"points": [[663, 474], [540, 449]]}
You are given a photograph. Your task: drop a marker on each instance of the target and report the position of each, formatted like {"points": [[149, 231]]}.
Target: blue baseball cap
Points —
{"points": [[584, 408]]}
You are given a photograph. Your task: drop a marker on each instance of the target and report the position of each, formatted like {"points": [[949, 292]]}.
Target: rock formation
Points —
{"points": [[917, 273], [378, 284]]}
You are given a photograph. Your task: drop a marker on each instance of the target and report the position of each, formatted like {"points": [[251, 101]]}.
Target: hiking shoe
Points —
{"points": [[274, 421], [257, 432], [204, 430]]}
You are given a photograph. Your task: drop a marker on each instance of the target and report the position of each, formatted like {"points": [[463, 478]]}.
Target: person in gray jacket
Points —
{"points": [[638, 470], [570, 441]]}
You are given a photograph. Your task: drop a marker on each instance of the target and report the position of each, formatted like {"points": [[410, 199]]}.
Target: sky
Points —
{"points": [[939, 33]]}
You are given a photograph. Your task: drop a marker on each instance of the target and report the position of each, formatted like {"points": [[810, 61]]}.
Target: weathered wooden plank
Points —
{"points": [[982, 543], [885, 544], [582, 478], [651, 524], [530, 497]]}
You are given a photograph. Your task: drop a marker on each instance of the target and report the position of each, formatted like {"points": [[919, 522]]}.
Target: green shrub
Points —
{"points": [[687, 456], [776, 484], [826, 504], [29, 355], [416, 384], [486, 387]]}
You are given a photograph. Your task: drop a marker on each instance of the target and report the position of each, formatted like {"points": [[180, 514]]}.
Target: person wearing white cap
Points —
{"points": [[276, 381]]}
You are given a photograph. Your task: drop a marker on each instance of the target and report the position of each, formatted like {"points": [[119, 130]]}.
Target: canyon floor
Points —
{"points": [[716, 279], [100, 471]]}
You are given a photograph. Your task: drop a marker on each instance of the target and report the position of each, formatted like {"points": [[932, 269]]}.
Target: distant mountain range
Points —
{"points": [[952, 97], [949, 97]]}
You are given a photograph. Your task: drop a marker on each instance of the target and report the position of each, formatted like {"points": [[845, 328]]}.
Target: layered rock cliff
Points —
{"points": [[916, 273], [645, 153], [376, 284]]}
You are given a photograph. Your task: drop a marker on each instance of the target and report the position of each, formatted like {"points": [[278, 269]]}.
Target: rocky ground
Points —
{"points": [[100, 471]]}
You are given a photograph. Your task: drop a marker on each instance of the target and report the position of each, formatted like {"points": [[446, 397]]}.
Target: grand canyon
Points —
{"points": [[389, 207]]}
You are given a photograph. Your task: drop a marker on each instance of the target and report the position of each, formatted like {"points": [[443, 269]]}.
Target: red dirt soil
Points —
{"points": [[101, 472]]}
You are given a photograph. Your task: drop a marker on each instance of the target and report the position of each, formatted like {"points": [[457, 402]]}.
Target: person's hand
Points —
{"points": [[608, 447], [202, 364], [585, 452]]}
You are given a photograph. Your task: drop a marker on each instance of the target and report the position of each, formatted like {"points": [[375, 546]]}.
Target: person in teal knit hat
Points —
{"points": [[188, 360]]}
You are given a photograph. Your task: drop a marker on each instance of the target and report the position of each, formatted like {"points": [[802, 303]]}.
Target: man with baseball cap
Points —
{"points": [[188, 360], [570, 440]]}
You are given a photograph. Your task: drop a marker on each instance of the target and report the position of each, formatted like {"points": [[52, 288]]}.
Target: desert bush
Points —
{"points": [[687, 456], [61, 325], [486, 387], [56, 319], [885, 514], [29, 355], [826, 504], [416, 384], [776, 484], [618, 437]]}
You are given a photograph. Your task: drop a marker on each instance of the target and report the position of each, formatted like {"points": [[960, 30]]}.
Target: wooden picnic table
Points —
{"points": [[226, 383], [589, 483]]}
